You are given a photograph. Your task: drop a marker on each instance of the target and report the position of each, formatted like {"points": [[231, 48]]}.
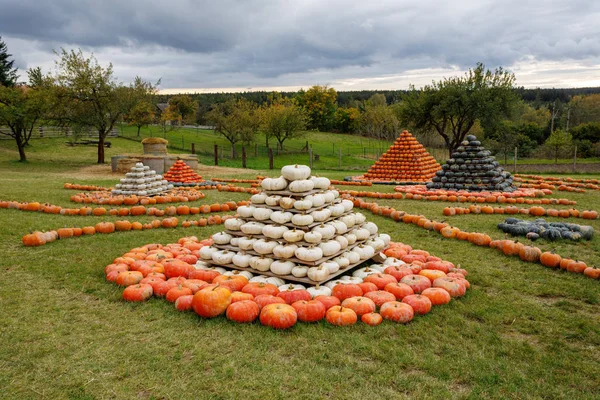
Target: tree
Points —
{"points": [[8, 74], [557, 140], [320, 103], [185, 107], [377, 100], [237, 120], [89, 95], [451, 106], [284, 120], [21, 108], [379, 122], [585, 109], [142, 114], [347, 119]]}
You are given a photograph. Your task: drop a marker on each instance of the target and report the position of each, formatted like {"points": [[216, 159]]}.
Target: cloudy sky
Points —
{"points": [[223, 45]]}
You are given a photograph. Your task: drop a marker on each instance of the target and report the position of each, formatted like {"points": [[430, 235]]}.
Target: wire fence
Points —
{"points": [[42, 132]]}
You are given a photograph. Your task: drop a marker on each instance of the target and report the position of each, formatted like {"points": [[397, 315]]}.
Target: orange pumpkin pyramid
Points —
{"points": [[182, 173], [405, 161]]}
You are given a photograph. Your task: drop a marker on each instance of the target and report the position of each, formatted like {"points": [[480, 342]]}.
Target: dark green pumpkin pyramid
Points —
{"points": [[472, 168]]}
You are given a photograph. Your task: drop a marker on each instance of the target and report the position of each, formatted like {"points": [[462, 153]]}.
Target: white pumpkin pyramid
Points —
{"points": [[142, 181], [295, 229]]}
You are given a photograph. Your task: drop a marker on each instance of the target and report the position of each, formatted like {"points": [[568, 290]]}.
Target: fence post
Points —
{"points": [[270, 158], [41, 132], [243, 156], [516, 150], [193, 148], [340, 158], [575, 159], [256, 150], [182, 143], [310, 157], [216, 154]]}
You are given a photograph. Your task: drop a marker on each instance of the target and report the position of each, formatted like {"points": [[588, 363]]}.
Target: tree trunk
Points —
{"points": [[267, 140], [21, 147], [139, 127], [233, 153], [101, 148]]}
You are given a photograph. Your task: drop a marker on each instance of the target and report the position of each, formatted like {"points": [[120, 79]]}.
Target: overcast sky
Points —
{"points": [[224, 45]]}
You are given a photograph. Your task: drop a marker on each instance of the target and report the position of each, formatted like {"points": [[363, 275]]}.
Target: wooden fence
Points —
{"points": [[58, 132]]}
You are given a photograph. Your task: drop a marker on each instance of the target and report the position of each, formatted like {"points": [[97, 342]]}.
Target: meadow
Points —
{"points": [[522, 330]]}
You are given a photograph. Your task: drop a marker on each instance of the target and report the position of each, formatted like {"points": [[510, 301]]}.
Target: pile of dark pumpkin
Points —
{"points": [[472, 168], [551, 231]]}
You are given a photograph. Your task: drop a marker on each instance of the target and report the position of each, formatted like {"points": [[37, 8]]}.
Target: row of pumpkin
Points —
{"points": [[38, 238], [399, 291], [536, 211], [507, 247]]}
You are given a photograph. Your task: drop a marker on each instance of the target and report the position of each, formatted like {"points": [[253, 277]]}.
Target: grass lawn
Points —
{"points": [[522, 331]]}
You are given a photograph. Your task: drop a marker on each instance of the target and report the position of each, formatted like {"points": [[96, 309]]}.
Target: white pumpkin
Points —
{"points": [[275, 281], [378, 267], [321, 215], [286, 203], [349, 220], [309, 254], [318, 274], [245, 243], [201, 264], [252, 228], [295, 172], [300, 271], [223, 257], [351, 238], [336, 210], [262, 246], [365, 252], [258, 198], [241, 259], [342, 241], [333, 267], [303, 205], [352, 256], [364, 272], [347, 204], [293, 236], [313, 237], [274, 231], [272, 200], [317, 200], [361, 234], [218, 269], [330, 247], [302, 219], [393, 262], [336, 194], [261, 263], [351, 279], [282, 267], [221, 238], [319, 290], [332, 284], [246, 211], [233, 224], [376, 243], [386, 239], [281, 217], [301, 186], [234, 241], [248, 275], [342, 261], [359, 218], [328, 196], [327, 231], [259, 278], [274, 184], [340, 227], [262, 214], [206, 252], [291, 287], [371, 227], [320, 182], [284, 251]]}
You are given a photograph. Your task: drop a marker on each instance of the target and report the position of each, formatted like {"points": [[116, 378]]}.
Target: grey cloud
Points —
{"points": [[249, 43]]}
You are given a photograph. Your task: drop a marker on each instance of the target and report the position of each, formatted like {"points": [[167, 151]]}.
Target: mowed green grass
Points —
{"points": [[522, 331]]}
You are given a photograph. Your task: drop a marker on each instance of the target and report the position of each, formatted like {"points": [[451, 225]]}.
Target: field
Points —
{"points": [[522, 331]]}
